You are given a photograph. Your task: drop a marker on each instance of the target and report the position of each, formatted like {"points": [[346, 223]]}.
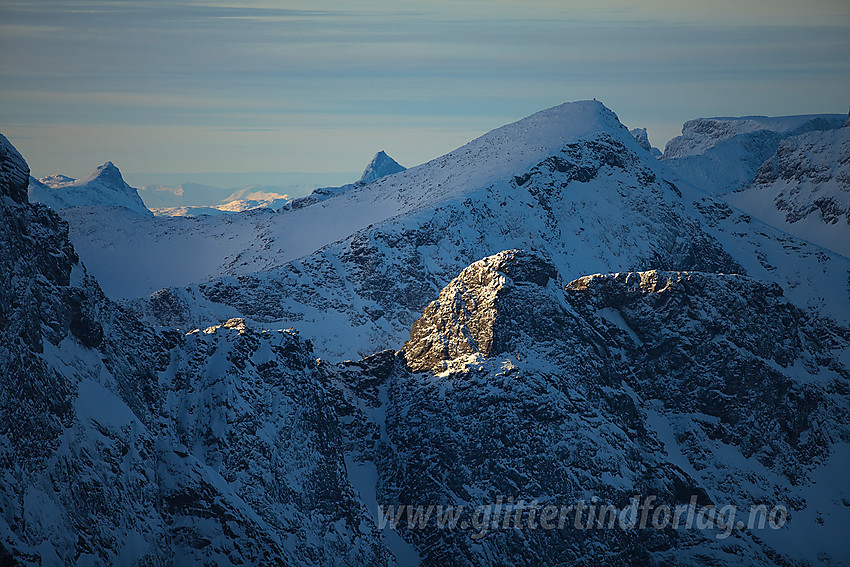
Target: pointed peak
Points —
{"points": [[107, 173], [642, 138], [380, 166], [104, 186]]}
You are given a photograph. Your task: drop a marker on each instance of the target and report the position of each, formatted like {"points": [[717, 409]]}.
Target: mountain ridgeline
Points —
{"points": [[548, 315]]}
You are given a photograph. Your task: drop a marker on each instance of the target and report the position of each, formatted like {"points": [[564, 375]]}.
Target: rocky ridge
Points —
{"points": [[623, 384]]}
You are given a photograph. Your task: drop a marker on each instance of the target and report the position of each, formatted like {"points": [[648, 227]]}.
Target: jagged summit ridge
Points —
{"points": [[104, 187], [380, 166]]}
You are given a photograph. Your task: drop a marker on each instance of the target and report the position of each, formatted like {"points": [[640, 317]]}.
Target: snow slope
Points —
{"points": [[723, 154], [102, 187], [804, 189], [155, 253], [354, 271]]}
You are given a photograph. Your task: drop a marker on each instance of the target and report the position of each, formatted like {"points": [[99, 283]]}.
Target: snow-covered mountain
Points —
{"points": [[723, 154], [381, 166], [103, 187], [804, 189], [127, 440]]}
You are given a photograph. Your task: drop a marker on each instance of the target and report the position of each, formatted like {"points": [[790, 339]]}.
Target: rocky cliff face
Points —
{"points": [[669, 382], [805, 188], [723, 154], [122, 444]]}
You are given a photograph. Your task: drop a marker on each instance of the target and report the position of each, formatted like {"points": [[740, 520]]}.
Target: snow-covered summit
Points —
{"points": [[493, 157], [380, 166], [104, 186]]}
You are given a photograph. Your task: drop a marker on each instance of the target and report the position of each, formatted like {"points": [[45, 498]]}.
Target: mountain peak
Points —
{"points": [[380, 166], [491, 307], [104, 186], [107, 174]]}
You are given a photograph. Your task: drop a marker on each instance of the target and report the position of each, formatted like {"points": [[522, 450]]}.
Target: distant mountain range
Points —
{"points": [[551, 314], [105, 187]]}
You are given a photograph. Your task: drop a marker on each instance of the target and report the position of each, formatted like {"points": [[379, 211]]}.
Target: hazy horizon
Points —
{"points": [[250, 86]]}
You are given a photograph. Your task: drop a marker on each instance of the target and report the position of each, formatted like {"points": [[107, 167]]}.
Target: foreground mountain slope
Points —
{"points": [[122, 444], [665, 383], [103, 187]]}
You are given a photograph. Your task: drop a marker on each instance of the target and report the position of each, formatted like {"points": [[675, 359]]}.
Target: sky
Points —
{"points": [[243, 87]]}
